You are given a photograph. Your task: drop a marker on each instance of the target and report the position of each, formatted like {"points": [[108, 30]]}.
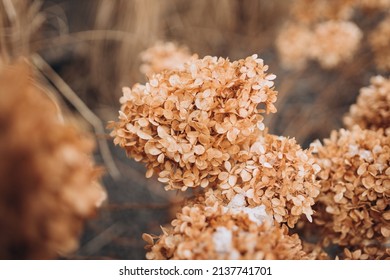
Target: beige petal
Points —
{"points": [[163, 180], [204, 183], [162, 132], [232, 180], [245, 176], [199, 150], [143, 122], [144, 135], [223, 176], [385, 231], [148, 238], [149, 173], [152, 150]]}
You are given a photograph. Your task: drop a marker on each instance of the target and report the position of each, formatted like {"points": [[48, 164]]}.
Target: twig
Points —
{"points": [[84, 111], [54, 97]]}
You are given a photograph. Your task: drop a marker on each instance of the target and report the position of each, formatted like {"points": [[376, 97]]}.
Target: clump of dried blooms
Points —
{"points": [[165, 56], [365, 253], [274, 173], [48, 181], [380, 44], [292, 43], [204, 129], [335, 42], [330, 43], [186, 124], [353, 206], [201, 232], [372, 109], [312, 11]]}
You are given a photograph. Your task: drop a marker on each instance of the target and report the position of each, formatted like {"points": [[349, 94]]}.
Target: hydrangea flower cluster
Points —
{"points": [[352, 209], [353, 206], [163, 56], [310, 12], [186, 124], [330, 43], [324, 31], [202, 127], [48, 180], [372, 108], [335, 42], [292, 43], [203, 232]]}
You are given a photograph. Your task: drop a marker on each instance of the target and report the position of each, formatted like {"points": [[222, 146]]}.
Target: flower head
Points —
{"points": [[186, 124], [48, 180], [292, 44], [335, 42], [276, 174], [202, 232], [313, 11], [353, 206], [165, 56], [372, 109]]}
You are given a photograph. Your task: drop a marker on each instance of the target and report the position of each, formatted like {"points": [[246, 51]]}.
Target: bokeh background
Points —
{"points": [[94, 46]]}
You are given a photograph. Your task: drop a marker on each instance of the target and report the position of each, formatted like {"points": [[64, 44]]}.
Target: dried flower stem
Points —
{"points": [[80, 106]]}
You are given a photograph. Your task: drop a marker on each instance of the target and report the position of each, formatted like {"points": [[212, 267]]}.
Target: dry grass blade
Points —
{"points": [[19, 21], [80, 106]]}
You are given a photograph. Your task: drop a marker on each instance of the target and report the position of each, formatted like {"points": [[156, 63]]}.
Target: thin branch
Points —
{"points": [[84, 111]]}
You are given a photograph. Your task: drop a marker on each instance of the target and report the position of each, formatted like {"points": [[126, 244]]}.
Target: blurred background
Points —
{"points": [[94, 46]]}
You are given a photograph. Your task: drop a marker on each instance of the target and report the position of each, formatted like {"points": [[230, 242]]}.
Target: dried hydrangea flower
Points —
{"points": [[165, 56], [353, 206], [292, 43], [372, 109], [331, 43], [335, 42], [380, 44], [202, 232], [186, 124], [313, 11], [365, 253], [276, 174], [48, 180], [215, 139]]}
